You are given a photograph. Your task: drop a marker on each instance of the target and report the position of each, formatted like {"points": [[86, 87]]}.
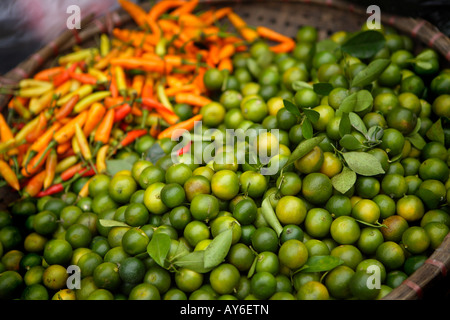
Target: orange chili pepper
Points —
{"points": [[50, 168], [95, 115], [67, 108], [103, 131], [176, 130], [192, 99], [35, 185], [9, 175]]}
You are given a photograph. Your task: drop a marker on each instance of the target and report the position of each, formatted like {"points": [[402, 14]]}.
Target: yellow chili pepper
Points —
{"points": [[66, 163], [121, 81], [83, 144], [82, 92], [101, 77], [42, 103], [89, 100], [77, 56], [101, 158], [105, 45]]}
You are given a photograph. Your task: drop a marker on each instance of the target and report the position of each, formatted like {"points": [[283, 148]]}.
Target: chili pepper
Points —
{"points": [[35, 164], [99, 75], [121, 81], [216, 15], [247, 33], [6, 134], [63, 135], [103, 131], [67, 108], [132, 136], [50, 167], [30, 88], [66, 163], [105, 45], [185, 149], [89, 100], [48, 74], [84, 78], [34, 185], [121, 112], [78, 56], [54, 189], [18, 104], [162, 7], [95, 115], [83, 91], [84, 192], [162, 96], [176, 130], [192, 99], [186, 8], [9, 175], [63, 147], [70, 172], [139, 63], [40, 129], [101, 158], [29, 127], [83, 144], [225, 64], [283, 47], [135, 11]]}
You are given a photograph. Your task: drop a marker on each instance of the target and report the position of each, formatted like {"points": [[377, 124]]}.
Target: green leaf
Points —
{"points": [[252, 269], [349, 142], [292, 108], [365, 44], [357, 123], [218, 249], [425, 65], [155, 153], [347, 105], [307, 129], [364, 100], [112, 223], [370, 73], [363, 163], [417, 141], [323, 88], [375, 133], [298, 85], [194, 261], [114, 166], [436, 132], [345, 126], [159, 247], [322, 263], [303, 149], [312, 115], [344, 180], [326, 45]]}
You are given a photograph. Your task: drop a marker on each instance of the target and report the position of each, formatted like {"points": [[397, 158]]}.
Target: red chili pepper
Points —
{"points": [[185, 149], [54, 189], [64, 76], [69, 173], [84, 78], [149, 103], [121, 112], [132, 136]]}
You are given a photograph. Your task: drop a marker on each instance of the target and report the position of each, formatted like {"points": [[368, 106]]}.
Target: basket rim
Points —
{"points": [[419, 29]]}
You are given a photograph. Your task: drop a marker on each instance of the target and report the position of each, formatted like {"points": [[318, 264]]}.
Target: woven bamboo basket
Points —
{"points": [[284, 16]]}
